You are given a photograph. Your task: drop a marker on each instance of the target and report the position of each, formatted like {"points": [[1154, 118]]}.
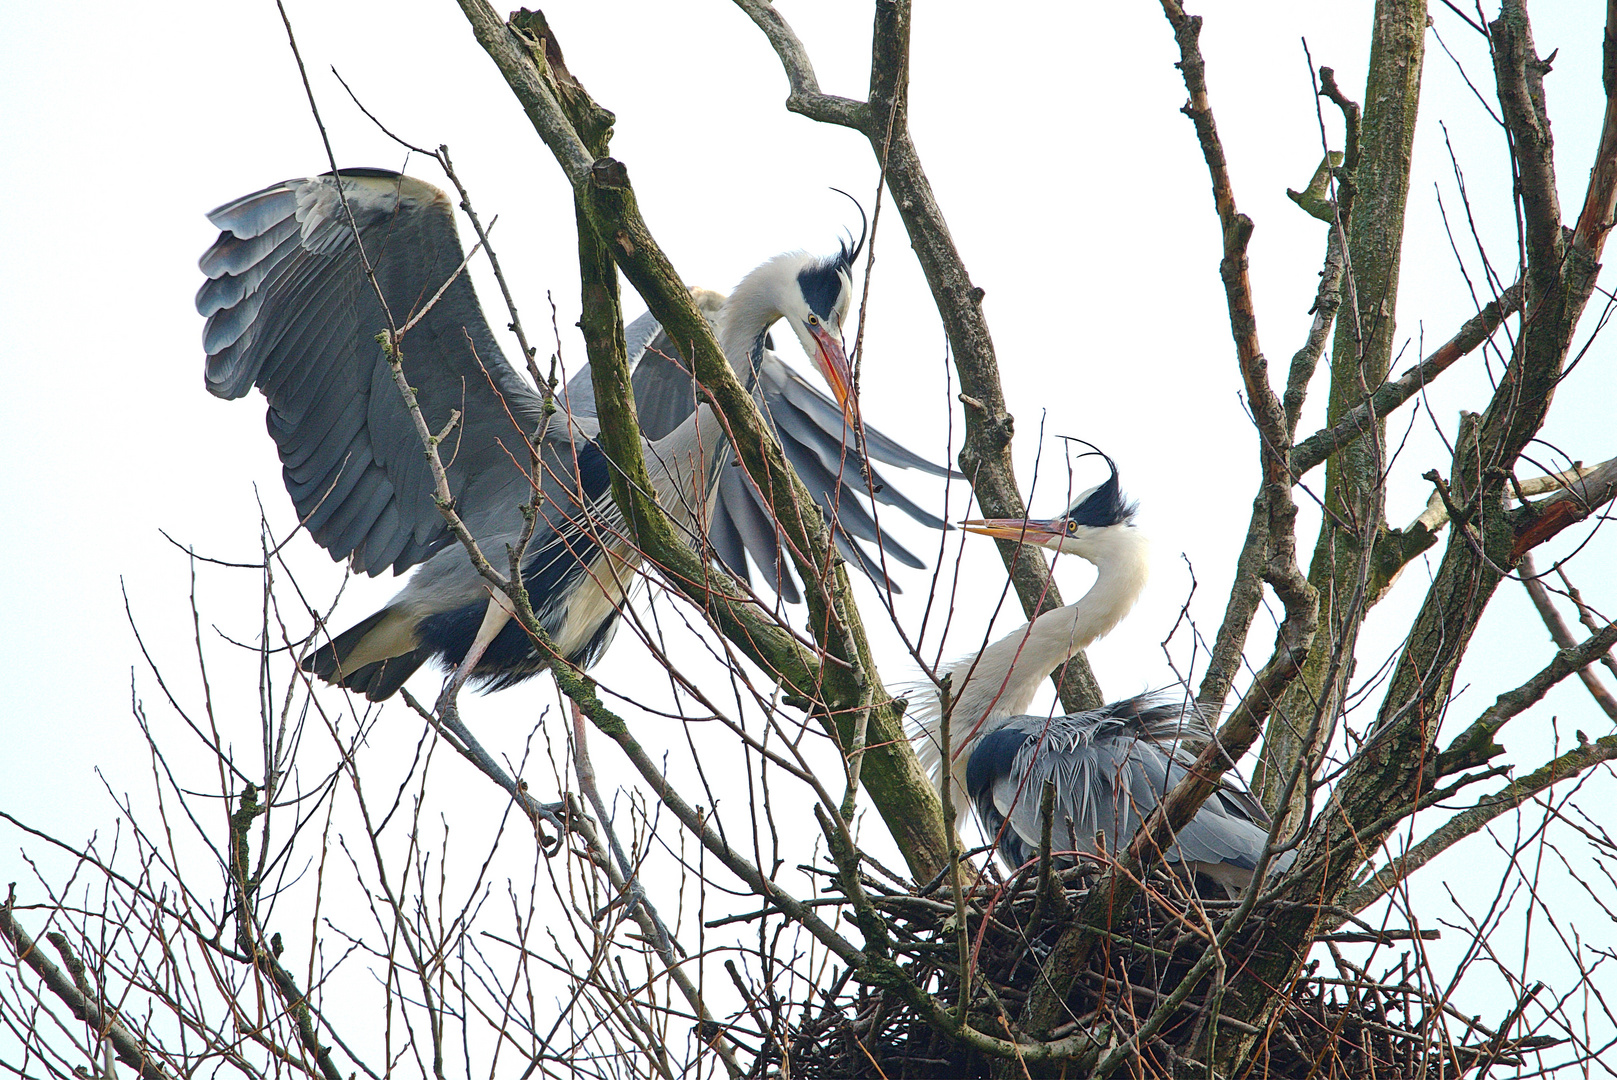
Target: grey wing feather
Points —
{"points": [[579, 393], [638, 334], [851, 517], [891, 496], [868, 564], [664, 388], [289, 310], [811, 432], [1220, 832], [831, 430], [744, 516], [726, 539], [1109, 777], [1180, 728], [1087, 774], [797, 429]]}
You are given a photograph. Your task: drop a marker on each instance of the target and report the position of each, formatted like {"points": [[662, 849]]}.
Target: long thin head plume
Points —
{"points": [[1103, 504], [827, 284], [846, 257]]}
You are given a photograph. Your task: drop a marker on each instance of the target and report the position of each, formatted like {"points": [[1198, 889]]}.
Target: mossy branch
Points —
{"points": [[985, 455], [842, 685]]}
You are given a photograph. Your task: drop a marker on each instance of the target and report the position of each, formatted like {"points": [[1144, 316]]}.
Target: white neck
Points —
{"points": [[681, 465], [751, 309], [1001, 681]]}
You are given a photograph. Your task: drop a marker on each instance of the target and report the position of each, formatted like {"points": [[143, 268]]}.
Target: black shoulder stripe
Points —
{"points": [[594, 472], [991, 760]]}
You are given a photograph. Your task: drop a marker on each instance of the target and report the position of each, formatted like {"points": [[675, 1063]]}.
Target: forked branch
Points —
{"points": [[985, 454], [130, 1050], [1278, 567], [846, 683]]}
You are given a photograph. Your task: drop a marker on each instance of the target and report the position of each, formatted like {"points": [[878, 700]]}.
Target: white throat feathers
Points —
{"points": [[1002, 680]]}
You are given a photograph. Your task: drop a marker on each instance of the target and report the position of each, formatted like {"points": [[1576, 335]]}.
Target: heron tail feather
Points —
{"points": [[373, 657]]}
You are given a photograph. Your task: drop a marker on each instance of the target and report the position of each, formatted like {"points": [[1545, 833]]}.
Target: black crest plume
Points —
{"points": [[845, 258], [822, 282], [1103, 505]]}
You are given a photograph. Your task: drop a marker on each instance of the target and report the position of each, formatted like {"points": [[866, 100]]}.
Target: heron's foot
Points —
{"points": [[448, 698], [555, 815], [540, 814]]}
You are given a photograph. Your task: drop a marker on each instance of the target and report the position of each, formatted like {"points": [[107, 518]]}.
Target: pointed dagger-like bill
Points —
{"points": [[1021, 530], [833, 362]]}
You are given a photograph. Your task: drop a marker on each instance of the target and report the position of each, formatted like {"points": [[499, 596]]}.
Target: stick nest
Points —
{"points": [[1337, 1024]]}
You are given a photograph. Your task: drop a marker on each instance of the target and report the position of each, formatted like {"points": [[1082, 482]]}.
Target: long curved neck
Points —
{"points": [[742, 345], [752, 309], [1017, 663], [1001, 681]]}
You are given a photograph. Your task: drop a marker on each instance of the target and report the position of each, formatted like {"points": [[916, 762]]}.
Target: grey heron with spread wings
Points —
{"points": [[1110, 766], [290, 309]]}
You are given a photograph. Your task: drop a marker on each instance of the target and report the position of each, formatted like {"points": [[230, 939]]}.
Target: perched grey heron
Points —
{"points": [[1111, 766], [812, 429], [289, 309]]}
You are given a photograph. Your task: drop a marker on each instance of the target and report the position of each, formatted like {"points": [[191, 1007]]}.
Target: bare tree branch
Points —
{"points": [[130, 1050], [1600, 200], [1155, 836], [1562, 636], [622, 874], [1339, 573], [805, 97], [1475, 745], [985, 455], [534, 68], [1573, 501], [1520, 76], [1583, 757], [1314, 450]]}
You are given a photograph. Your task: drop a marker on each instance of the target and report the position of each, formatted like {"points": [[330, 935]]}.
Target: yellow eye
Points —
{"points": [[814, 320], [1072, 526]]}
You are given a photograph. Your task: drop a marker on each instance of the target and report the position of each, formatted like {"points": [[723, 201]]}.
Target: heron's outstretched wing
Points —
{"points": [[290, 310], [664, 394], [741, 525]]}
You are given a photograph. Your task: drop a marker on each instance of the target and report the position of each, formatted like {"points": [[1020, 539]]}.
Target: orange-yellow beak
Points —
{"points": [[1021, 530], [833, 363]]}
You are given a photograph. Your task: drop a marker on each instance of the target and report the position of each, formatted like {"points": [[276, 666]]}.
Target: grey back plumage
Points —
{"points": [[290, 310], [1111, 768]]}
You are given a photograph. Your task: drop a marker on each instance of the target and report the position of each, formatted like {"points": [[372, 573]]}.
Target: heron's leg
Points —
{"points": [[447, 709], [458, 735], [499, 613]]}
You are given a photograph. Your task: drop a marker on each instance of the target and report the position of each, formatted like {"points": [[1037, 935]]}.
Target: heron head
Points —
{"points": [[1095, 517], [813, 294], [816, 308]]}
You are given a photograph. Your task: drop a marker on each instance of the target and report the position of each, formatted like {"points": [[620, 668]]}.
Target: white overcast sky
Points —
{"points": [[1051, 133]]}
